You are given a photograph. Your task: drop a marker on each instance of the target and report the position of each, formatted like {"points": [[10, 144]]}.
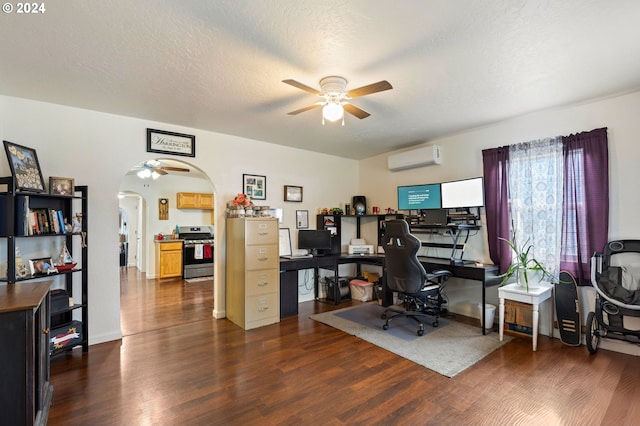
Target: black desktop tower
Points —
{"points": [[360, 204]]}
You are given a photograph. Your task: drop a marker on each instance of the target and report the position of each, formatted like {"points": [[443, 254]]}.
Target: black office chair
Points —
{"points": [[422, 293]]}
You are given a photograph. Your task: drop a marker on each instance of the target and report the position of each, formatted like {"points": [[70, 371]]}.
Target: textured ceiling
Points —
{"points": [[218, 65]]}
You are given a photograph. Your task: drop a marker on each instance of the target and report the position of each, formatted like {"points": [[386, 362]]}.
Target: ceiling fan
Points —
{"points": [[335, 97], [155, 169]]}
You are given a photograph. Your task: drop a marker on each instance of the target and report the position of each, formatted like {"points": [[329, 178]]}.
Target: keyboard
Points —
{"points": [[296, 256]]}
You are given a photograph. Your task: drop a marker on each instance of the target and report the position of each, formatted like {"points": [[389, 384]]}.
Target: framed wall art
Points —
{"points": [[255, 186], [25, 167], [61, 186], [302, 219], [293, 193], [171, 143]]}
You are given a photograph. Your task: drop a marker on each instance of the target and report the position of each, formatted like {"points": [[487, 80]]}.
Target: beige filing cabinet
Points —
{"points": [[253, 272], [168, 258]]}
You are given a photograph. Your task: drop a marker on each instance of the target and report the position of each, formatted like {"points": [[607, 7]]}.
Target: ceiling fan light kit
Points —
{"points": [[332, 111], [154, 169], [335, 98]]}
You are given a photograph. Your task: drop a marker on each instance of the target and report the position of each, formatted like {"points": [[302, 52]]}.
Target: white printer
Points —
{"points": [[360, 246]]}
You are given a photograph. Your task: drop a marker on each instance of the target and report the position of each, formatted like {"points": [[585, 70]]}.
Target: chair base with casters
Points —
{"points": [[423, 306]]}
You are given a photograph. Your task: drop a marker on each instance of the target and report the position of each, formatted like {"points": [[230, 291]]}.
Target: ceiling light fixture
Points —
{"points": [[333, 111], [335, 96], [148, 172], [144, 173]]}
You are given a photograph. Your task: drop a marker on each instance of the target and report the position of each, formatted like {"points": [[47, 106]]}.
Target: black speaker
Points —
{"points": [[360, 204]]}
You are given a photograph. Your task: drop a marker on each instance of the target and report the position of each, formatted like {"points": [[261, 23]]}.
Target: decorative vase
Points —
{"points": [[248, 212]]}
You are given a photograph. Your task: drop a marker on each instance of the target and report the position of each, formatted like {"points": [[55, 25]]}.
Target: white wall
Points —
{"points": [[98, 149], [462, 158]]}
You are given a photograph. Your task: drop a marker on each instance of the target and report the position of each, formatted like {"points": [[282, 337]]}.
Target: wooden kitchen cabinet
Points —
{"points": [[195, 200], [168, 259]]}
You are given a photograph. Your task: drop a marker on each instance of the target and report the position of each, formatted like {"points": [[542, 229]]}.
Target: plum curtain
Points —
{"points": [[585, 200], [495, 162], [585, 224]]}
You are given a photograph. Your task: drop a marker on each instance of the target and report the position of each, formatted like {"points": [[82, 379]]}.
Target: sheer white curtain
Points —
{"points": [[535, 198]]}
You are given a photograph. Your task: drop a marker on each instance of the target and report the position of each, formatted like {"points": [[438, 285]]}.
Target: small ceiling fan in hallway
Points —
{"points": [[155, 169]]}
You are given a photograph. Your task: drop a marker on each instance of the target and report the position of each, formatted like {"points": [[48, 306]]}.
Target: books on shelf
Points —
{"points": [[44, 221]]}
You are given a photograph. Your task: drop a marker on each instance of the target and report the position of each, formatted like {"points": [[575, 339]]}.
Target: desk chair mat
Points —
{"points": [[369, 315]]}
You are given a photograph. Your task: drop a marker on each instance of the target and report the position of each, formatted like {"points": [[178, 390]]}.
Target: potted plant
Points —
{"points": [[524, 266]]}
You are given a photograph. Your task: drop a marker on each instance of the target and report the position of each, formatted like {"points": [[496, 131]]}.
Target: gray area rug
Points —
{"points": [[448, 349]]}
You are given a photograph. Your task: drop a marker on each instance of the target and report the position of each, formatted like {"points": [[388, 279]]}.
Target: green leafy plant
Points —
{"points": [[524, 262]]}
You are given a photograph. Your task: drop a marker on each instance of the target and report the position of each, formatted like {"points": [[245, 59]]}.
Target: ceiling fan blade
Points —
{"points": [[369, 89], [302, 86], [354, 110], [159, 171], [174, 169], [307, 108]]}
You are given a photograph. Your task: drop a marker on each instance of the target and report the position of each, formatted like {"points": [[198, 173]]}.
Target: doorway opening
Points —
{"points": [[148, 203]]}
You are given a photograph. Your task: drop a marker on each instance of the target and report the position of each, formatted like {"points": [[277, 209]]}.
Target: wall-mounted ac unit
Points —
{"points": [[420, 157]]}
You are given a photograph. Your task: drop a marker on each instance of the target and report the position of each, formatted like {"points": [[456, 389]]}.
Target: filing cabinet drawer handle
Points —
{"points": [[263, 308], [263, 284], [262, 259], [263, 233]]}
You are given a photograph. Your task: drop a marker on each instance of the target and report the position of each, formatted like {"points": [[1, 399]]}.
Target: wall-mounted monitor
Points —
{"points": [[462, 193], [419, 197]]}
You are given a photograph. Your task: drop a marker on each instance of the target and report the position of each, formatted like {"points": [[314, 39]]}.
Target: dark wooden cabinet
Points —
{"points": [[25, 391]]}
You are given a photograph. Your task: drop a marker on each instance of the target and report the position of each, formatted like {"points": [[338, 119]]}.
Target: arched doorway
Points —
{"points": [[149, 201]]}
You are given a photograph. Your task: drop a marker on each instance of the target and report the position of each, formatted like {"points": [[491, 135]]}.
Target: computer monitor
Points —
{"points": [[419, 197], [316, 241], [463, 193], [435, 217]]}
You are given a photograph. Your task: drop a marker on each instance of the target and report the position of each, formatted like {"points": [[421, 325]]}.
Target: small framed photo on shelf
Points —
{"points": [[302, 219], [41, 266], [255, 186], [61, 186], [25, 167], [293, 193]]}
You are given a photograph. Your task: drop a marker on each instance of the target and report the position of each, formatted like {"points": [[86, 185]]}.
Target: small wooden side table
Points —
{"points": [[519, 294]]}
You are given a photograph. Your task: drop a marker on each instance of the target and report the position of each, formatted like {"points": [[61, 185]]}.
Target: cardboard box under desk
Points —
{"points": [[518, 317]]}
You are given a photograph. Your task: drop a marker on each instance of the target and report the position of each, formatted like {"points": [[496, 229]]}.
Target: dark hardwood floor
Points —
{"points": [[177, 365]]}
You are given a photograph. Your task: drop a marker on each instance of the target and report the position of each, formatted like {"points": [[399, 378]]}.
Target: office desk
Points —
{"points": [[486, 274], [289, 275]]}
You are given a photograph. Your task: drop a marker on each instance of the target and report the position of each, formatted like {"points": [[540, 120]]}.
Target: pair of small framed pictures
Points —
{"points": [[25, 168]]}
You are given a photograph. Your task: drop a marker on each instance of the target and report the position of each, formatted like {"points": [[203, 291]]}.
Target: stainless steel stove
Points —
{"points": [[197, 252]]}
